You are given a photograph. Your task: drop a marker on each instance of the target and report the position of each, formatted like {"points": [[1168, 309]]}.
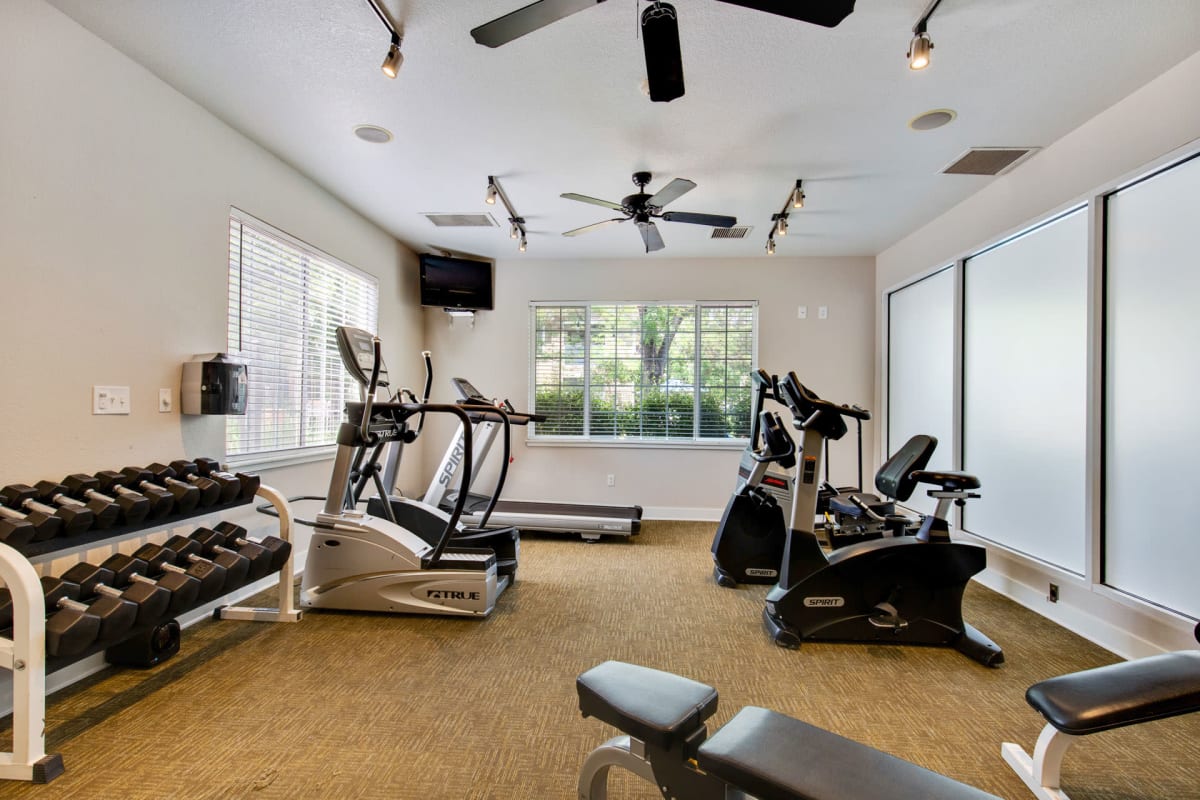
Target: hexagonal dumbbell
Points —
{"points": [[210, 468], [69, 631], [133, 507], [238, 566], [170, 558], [161, 501], [210, 491], [116, 616], [45, 526], [187, 497], [236, 536], [16, 531], [104, 512], [23, 497], [229, 486]]}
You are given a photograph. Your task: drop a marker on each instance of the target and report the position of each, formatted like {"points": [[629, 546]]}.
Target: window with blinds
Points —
{"points": [[677, 372], [285, 299]]}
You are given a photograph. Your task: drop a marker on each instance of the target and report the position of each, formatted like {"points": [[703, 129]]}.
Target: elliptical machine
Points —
{"points": [[748, 545], [902, 590], [362, 563], [369, 468]]}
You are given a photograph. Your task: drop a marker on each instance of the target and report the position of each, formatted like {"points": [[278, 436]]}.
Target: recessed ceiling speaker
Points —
{"points": [[373, 134], [932, 119], [664, 62]]}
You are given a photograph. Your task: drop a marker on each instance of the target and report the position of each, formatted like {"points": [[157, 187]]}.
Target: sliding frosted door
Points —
{"points": [[1152, 428], [920, 390], [1025, 392]]}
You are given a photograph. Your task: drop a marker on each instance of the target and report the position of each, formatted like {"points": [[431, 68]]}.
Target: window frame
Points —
{"points": [[586, 439], [235, 321]]}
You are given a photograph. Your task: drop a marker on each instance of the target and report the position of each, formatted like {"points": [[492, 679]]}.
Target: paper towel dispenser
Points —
{"points": [[213, 384]]}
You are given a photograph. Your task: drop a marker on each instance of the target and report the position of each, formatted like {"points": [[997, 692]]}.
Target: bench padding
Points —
{"points": [[776, 757], [657, 707], [1122, 694]]}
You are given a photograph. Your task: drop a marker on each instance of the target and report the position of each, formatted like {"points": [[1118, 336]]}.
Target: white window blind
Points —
{"points": [[285, 299], [644, 371]]}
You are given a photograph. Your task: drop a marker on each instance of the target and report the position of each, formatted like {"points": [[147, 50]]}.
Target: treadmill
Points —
{"points": [[589, 521]]}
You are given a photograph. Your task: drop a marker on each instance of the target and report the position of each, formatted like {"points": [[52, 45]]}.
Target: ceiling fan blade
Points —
{"points": [[672, 191], [715, 220], [528, 19], [651, 236], [593, 226], [583, 198], [819, 12]]}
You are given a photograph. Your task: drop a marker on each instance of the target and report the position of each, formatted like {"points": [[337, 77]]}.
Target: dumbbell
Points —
{"points": [[239, 565], [69, 631], [149, 600], [104, 513], [16, 531], [210, 491], [133, 507], [210, 468], [187, 497], [74, 520], [44, 526], [214, 542], [161, 501], [229, 486], [169, 559], [113, 616], [235, 536], [148, 560]]}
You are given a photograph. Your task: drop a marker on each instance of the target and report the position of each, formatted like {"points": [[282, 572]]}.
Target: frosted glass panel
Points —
{"points": [[1025, 392], [1152, 430], [921, 370]]}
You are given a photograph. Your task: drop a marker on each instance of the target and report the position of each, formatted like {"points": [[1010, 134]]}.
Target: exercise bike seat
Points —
{"points": [[950, 481], [656, 707], [775, 757]]}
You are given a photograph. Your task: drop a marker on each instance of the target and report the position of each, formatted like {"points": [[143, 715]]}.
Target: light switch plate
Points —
{"points": [[110, 400]]}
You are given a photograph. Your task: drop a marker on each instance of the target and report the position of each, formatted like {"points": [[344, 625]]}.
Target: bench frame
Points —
{"points": [[672, 771], [1042, 771]]}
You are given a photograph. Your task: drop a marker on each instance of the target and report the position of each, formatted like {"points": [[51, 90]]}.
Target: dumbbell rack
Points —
{"points": [[25, 654]]}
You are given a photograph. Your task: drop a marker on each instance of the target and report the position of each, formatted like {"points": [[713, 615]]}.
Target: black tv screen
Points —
{"points": [[455, 282]]}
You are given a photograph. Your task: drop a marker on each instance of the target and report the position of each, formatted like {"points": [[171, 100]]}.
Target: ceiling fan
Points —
{"points": [[642, 208], [660, 30]]}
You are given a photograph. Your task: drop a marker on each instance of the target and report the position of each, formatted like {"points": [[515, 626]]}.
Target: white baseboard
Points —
{"points": [[682, 513]]}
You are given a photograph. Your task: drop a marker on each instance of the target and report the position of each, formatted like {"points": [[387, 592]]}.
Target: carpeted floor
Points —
{"points": [[371, 706]]}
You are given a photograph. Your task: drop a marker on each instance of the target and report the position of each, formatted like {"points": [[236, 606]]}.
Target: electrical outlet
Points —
{"points": [[1053, 596], [823, 312], [110, 400], [612, 479], [802, 312], [164, 401]]}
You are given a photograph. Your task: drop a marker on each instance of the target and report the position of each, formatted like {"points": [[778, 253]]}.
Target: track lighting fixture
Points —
{"points": [[394, 58], [516, 222], [779, 221], [921, 44]]}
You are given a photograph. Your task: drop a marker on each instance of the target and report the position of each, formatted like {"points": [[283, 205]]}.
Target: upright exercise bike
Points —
{"points": [[364, 563], [901, 590]]}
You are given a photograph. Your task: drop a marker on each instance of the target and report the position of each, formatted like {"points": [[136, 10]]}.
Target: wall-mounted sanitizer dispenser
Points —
{"points": [[213, 384]]}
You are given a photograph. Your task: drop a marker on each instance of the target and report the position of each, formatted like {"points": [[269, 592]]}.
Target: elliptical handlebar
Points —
{"points": [[364, 430], [497, 412]]}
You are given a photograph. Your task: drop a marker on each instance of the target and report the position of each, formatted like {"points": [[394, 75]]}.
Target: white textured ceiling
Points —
{"points": [[768, 100]]}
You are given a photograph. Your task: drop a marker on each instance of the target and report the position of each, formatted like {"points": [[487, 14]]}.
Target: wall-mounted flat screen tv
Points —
{"points": [[455, 282]]}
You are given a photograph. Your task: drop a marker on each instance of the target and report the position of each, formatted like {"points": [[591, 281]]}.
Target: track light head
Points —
{"points": [[393, 60], [771, 247], [918, 51], [514, 232], [781, 225], [491, 194], [798, 198], [522, 245]]}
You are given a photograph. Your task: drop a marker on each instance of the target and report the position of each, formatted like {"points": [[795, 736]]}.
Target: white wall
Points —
{"points": [[1157, 119], [833, 356], [114, 202]]}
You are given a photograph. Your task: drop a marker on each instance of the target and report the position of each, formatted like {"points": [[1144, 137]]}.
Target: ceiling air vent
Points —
{"points": [[988, 160], [461, 220], [736, 232]]}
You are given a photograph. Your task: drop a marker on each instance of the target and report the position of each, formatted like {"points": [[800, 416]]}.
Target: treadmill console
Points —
{"points": [[357, 348], [467, 391]]}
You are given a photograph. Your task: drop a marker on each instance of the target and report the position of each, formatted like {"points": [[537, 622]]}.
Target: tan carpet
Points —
{"points": [[372, 706]]}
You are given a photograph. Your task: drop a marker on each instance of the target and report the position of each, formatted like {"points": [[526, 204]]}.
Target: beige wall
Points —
{"points": [[114, 203], [833, 355], [1159, 118]]}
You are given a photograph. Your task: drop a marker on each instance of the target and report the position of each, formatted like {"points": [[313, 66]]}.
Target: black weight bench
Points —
{"points": [[759, 753], [1101, 699]]}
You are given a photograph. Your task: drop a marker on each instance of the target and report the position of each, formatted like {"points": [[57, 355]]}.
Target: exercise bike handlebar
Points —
{"points": [[817, 404]]}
